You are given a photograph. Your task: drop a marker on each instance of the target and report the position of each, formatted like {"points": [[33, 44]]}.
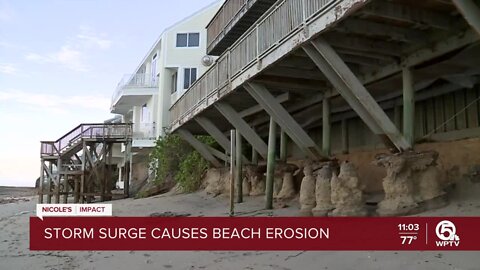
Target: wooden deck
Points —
{"points": [[80, 163], [374, 38]]}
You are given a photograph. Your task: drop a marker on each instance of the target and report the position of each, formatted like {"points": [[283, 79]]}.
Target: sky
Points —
{"points": [[60, 61]]}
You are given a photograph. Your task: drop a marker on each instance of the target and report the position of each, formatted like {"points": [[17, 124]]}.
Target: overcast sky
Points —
{"points": [[59, 64]]}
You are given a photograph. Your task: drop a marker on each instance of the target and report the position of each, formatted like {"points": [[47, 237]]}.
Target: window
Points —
{"points": [[188, 40], [153, 70], [145, 114], [190, 76], [174, 83]]}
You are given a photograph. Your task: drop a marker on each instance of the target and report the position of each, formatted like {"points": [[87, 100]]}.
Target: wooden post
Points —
{"points": [[76, 189], [128, 169], [59, 178], [49, 183], [232, 171], [238, 165], [40, 184], [254, 156], [283, 146], [397, 116], [82, 177], [408, 106], [345, 136], [108, 184], [326, 129], [65, 189], [104, 172], [270, 164]]}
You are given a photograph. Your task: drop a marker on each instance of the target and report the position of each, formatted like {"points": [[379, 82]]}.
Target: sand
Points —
{"points": [[14, 252]]}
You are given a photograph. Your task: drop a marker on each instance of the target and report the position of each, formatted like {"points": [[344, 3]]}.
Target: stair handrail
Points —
{"points": [[81, 131]]}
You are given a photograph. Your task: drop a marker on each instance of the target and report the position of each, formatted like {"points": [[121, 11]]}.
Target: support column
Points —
{"points": [[397, 116], [82, 177], [345, 145], [49, 183], [128, 169], [408, 106], [326, 128], [65, 189], [254, 156], [232, 172], [283, 146], [59, 177], [104, 173], [270, 165], [40, 184], [238, 166]]}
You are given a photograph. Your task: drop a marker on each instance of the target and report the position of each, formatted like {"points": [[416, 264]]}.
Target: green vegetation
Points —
{"points": [[173, 157]]}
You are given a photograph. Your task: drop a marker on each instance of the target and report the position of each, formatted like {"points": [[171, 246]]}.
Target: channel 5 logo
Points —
{"points": [[447, 233]]}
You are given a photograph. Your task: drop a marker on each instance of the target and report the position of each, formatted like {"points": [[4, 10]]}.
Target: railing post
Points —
{"points": [[304, 12]]}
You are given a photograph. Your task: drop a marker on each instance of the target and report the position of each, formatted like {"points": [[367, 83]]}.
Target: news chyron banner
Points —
{"points": [[92, 227]]}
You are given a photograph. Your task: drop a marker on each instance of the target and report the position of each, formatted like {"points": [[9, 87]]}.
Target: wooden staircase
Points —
{"points": [[80, 163]]}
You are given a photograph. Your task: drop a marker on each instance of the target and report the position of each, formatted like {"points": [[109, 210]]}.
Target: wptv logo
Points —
{"points": [[447, 233]]}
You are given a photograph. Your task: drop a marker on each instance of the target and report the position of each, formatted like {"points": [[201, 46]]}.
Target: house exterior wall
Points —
{"points": [[176, 59]]}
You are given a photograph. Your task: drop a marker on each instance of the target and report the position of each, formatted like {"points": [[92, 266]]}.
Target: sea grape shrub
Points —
{"points": [[173, 157]]}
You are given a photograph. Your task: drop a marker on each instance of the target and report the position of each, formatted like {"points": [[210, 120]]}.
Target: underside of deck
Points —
{"points": [[374, 39]]}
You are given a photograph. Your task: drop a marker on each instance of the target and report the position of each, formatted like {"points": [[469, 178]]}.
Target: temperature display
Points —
{"points": [[408, 232]]}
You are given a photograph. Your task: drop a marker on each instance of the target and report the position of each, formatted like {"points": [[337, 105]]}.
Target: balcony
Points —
{"points": [[144, 135], [231, 21], [133, 90]]}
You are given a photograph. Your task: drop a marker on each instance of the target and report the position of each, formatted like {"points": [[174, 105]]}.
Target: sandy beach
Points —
{"points": [[15, 254]]}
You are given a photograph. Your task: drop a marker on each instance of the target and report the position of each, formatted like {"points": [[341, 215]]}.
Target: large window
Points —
{"points": [[188, 40], [190, 75]]}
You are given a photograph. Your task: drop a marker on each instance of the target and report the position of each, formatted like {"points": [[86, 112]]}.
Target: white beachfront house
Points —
{"points": [[143, 98]]}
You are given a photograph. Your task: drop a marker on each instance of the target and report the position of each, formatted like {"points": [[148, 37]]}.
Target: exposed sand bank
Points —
{"points": [[14, 252]]}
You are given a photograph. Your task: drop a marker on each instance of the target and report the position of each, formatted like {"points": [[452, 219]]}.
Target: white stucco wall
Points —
{"points": [[172, 59]]}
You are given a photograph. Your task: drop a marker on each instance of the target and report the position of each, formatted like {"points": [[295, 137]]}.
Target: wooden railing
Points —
{"points": [[282, 20], [92, 131], [223, 18]]}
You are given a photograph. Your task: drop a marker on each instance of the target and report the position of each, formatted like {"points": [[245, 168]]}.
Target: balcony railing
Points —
{"points": [[90, 131], [139, 80], [144, 131], [285, 18], [223, 18]]}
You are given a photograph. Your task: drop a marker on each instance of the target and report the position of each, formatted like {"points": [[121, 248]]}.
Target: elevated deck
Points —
{"points": [[375, 39]]}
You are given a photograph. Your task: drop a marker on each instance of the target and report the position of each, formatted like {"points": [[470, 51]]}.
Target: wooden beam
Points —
{"points": [[257, 108], [216, 134], [470, 11], [199, 146], [293, 72], [281, 116], [389, 32], [363, 61], [420, 17], [372, 55], [353, 91], [293, 108], [364, 44], [288, 82], [247, 132]]}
